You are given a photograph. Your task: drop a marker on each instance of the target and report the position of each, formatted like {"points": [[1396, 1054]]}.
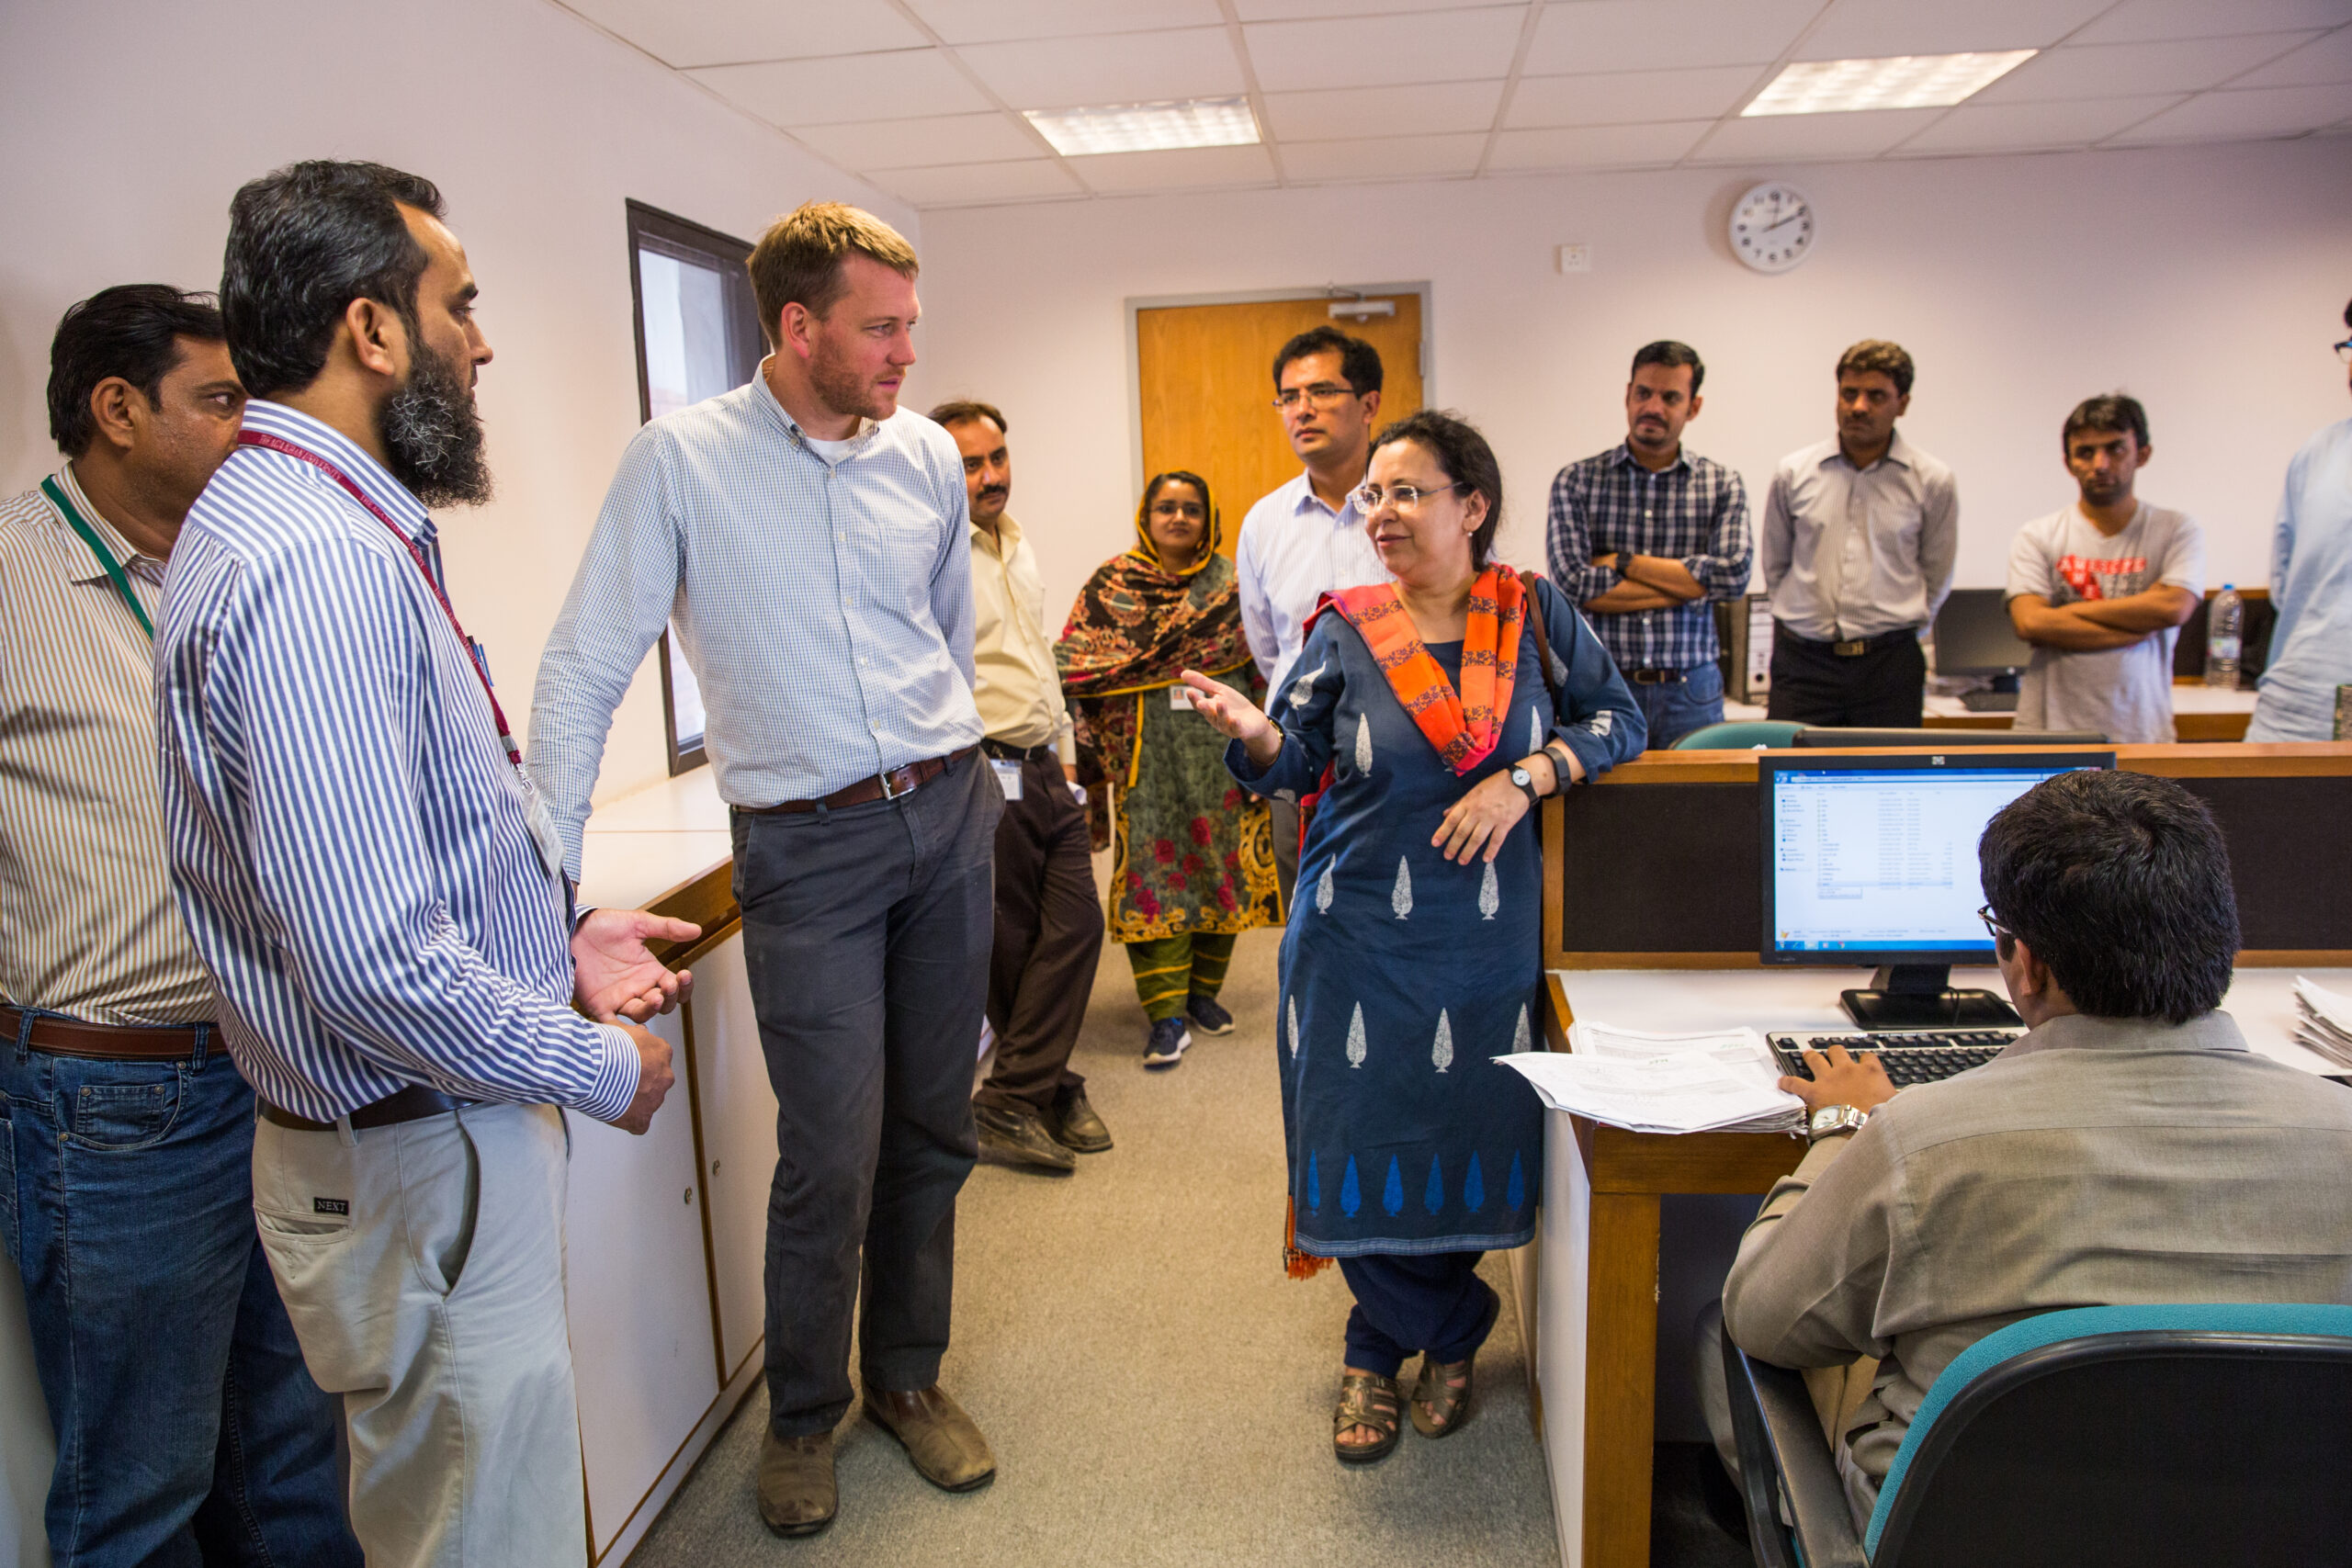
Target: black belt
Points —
{"points": [[1004, 752], [1657, 677], [1854, 647], [413, 1103]]}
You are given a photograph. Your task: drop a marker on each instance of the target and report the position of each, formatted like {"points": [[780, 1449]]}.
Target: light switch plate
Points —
{"points": [[1575, 258]]}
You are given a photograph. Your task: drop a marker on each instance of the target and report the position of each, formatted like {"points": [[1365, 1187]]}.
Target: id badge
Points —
{"points": [[1008, 776], [544, 837], [1179, 695]]}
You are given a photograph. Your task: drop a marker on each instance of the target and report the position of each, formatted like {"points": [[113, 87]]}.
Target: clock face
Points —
{"points": [[1771, 227]]}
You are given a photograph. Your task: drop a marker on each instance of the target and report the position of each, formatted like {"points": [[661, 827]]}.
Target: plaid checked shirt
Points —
{"points": [[1694, 512]]}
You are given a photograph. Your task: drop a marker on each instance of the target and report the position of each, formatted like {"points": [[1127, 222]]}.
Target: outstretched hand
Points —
{"points": [[615, 975], [1230, 712]]}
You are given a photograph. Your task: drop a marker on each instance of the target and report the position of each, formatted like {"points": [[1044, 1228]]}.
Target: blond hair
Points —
{"points": [[798, 260]]}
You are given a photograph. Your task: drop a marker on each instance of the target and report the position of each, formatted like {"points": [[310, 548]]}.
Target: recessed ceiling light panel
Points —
{"points": [[1146, 128], [1903, 82]]}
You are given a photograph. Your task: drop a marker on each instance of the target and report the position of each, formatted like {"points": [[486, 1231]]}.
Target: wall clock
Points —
{"points": [[1771, 227]]}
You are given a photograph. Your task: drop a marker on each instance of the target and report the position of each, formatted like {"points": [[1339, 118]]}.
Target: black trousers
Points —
{"points": [[1883, 687], [867, 934], [1048, 940]]}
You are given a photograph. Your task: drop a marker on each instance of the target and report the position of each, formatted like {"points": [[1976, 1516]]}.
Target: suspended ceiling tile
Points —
{"points": [[1189, 168], [1336, 114], [714, 32], [2137, 20], [1588, 36], [1596, 146], [2232, 116], [2315, 64], [1875, 29], [916, 143], [991, 21], [2017, 127], [1124, 68], [970, 185], [1629, 97], [1863, 134], [1279, 10], [1368, 51], [1384, 157], [2117, 70], [847, 88]]}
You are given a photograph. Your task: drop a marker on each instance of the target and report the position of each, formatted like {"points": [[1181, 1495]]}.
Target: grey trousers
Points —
{"points": [[867, 934]]}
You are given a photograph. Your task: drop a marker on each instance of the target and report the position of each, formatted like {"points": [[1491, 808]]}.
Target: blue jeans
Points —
{"points": [[1676, 707], [188, 1430]]}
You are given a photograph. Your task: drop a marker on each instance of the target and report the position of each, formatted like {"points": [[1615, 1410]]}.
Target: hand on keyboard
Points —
{"points": [[1837, 1076], [1914, 1058]]}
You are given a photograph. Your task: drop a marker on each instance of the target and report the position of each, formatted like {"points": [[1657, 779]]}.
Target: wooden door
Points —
{"points": [[1207, 386]]}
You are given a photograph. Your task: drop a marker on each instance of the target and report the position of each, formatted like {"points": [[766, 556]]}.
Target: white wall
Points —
{"points": [[2207, 281], [129, 124]]}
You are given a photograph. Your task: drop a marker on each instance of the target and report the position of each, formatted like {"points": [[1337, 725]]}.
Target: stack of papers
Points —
{"points": [[1722, 1081], [2325, 1025]]}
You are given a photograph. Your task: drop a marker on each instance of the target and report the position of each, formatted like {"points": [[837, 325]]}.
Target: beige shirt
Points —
{"points": [[1019, 688], [1851, 552], [87, 926], [2097, 1162]]}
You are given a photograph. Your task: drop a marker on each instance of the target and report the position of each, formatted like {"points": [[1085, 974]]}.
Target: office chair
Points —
{"points": [[2193, 1434], [1740, 734]]}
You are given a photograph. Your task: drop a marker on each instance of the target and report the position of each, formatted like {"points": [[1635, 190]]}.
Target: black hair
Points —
{"points": [[131, 331], [1467, 460], [1670, 353], [2120, 884], [304, 242], [961, 411], [2108, 410], [1888, 359], [1359, 361]]}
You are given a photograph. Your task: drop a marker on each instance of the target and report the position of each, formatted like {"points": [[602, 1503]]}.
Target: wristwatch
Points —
{"points": [[1834, 1118], [1526, 780]]}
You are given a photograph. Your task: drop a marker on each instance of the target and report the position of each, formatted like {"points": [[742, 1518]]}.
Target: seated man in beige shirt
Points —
{"points": [[2129, 1149]]}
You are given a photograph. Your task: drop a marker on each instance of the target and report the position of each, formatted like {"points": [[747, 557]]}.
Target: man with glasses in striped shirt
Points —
{"points": [[187, 1424], [1645, 535]]}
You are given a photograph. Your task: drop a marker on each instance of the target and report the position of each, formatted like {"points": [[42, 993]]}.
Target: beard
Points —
{"points": [[842, 388], [431, 434]]}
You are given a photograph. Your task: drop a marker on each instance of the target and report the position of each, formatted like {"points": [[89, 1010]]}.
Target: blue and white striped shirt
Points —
{"points": [[824, 602], [350, 848]]}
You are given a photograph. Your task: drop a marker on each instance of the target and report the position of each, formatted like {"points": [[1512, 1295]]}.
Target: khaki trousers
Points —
{"points": [[422, 1264]]}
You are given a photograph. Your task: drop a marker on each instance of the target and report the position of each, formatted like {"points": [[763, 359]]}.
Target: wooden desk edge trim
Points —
{"points": [[2188, 760], [2251, 958]]}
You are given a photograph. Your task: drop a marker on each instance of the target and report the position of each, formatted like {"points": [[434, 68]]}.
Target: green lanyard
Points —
{"points": [[56, 493]]}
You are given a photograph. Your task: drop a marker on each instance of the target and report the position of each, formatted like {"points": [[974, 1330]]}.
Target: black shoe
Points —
{"points": [[1166, 1047], [1074, 1125], [1019, 1137], [1208, 1016]]}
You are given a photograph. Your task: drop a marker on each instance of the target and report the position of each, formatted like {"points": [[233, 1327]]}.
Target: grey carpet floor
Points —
{"points": [[1157, 1392]]}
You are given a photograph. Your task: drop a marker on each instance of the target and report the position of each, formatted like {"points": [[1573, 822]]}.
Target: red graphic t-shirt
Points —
{"points": [[2119, 578]]}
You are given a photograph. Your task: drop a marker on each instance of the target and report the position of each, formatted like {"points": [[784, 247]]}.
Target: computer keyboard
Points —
{"points": [[1911, 1058]]}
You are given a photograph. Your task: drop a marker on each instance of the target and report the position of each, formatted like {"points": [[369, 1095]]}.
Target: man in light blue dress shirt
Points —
{"points": [[368, 878], [812, 539], [2307, 682]]}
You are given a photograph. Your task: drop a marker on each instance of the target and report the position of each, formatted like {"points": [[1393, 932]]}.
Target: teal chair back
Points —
{"points": [[1740, 734]]}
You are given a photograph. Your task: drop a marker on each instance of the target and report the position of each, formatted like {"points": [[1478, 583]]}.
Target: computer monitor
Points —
{"points": [[1871, 860], [1974, 635]]}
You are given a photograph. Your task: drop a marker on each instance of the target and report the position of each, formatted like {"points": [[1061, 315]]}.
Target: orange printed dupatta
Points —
{"points": [[1464, 726]]}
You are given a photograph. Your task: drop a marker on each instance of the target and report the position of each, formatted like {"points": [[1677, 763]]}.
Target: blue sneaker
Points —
{"points": [[1166, 1048], [1208, 1016]]}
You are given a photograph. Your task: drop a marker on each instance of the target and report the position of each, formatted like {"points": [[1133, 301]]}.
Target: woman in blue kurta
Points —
{"points": [[1430, 727]]}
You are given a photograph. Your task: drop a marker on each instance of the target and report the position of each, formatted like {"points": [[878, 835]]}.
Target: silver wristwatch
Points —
{"points": [[1835, 1118]]}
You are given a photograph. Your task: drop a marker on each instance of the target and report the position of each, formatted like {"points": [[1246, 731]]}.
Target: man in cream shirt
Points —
{"points": [[1033, 1109]]}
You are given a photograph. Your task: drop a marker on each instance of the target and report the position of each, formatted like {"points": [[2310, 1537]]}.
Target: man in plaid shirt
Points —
{"points": [[1644, 534]]}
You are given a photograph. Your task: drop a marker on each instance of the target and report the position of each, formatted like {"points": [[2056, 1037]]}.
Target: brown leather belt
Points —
{"points": [[881, 786], [101, 1041], [411, 1104]]}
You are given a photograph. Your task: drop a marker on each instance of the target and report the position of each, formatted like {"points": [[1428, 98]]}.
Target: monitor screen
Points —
{"points": [[1973, 634], [1872, 859]]}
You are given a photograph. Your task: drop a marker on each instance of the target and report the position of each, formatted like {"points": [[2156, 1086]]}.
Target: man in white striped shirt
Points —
{"points": [[370, 879], [187, 1424]]}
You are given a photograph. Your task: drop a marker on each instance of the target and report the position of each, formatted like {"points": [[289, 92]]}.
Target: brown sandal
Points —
{"points": [[1439, 1408], [1371, 1400]]}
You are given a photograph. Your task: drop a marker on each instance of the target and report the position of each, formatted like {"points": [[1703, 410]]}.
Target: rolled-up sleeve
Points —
{"points": [[1723, 572], [1594, 714], [1568, 541]]}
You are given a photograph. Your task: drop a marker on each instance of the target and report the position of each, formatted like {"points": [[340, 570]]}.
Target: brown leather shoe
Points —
{"points": [[797, 1495], [946, 1447]]}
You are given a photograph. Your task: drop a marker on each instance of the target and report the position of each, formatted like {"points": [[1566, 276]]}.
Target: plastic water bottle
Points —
{"points": [[2224, 624]]}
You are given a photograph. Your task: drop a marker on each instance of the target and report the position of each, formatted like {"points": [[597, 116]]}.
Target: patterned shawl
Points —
{"points": [[1135, 626], [1464, 726]]}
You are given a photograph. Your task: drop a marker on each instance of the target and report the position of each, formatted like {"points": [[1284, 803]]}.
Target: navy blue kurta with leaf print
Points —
{"points": [[1404, 975]]}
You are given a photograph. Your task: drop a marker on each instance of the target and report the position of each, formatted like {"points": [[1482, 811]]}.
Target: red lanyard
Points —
{"points": [[473, 651]]}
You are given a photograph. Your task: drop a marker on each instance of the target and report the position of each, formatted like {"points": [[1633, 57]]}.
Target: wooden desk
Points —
{"points": [[1596, 1312], [2200, 713]]}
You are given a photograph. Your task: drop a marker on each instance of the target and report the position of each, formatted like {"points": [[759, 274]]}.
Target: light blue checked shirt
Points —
{"points": [[825, 604], [350, 847]]}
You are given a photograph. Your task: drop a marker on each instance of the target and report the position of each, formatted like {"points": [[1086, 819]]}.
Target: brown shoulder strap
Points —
{"points": [[1527, 580]]}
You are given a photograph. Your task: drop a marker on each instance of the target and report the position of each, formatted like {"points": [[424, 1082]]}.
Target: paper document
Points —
{"points": [[1724, 1080], [2325, 1024]]}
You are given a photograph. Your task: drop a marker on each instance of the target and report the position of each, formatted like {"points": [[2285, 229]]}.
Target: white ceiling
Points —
{"points": [[923, 96]]}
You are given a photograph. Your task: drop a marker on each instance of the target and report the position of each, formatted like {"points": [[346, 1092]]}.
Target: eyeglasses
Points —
{"points": [[1322, 394], [2344, 351], [1994, 926], [1370, 499]]}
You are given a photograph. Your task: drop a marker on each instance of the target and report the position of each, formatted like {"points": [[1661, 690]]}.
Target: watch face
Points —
{"points": [[1521, 777], [1771, 227]]}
